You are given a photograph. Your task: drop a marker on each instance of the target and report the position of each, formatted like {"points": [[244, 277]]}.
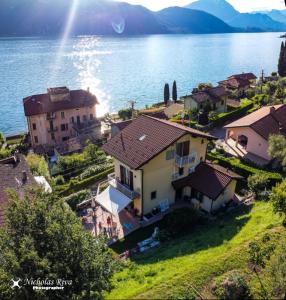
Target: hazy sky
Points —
{"points": [[241, 5]]}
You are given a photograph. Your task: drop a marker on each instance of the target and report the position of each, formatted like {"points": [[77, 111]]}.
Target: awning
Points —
{"points": [[112, 200]]}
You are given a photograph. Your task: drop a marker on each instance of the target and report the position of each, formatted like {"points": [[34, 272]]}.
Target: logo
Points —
{"points": [[15, 283]]}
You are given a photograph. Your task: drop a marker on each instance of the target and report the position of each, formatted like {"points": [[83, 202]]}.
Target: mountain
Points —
{"points": [[101, 17], [48, 17], [276, 15], [182, 20], [219, 8], [225, 11]]}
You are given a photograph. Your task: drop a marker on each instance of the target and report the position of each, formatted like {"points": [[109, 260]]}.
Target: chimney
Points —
{"points": [[272, 110], [24, 177], [17, 157]]}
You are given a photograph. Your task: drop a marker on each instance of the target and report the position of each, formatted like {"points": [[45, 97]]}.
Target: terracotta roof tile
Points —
{"points": [[208, 179], [40, 104], [264, 121], [11, 177], [244, 76], [145, 138]]}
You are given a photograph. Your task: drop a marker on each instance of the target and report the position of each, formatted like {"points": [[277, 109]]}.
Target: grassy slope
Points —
{"points": [[210, 250]]}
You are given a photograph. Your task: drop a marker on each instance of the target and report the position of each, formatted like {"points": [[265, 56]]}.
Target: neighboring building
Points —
{"points": [[16, 175], [151, 156], [214, 97], [249, 135], [239, 83], [116, 127], [60, 114]]}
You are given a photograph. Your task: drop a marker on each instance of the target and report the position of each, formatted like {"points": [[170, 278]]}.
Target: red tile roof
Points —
{"points": [[11, 177], [145, 138], [265, 121], [235, 83], [244, 76], [41, 104], [208, 179]]}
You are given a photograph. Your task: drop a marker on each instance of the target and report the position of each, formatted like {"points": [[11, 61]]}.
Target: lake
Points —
{"points": [[121, 69]]}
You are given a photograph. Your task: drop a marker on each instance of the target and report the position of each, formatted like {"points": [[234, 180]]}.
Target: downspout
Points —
{"points": [[142, 192], [212, 206]]}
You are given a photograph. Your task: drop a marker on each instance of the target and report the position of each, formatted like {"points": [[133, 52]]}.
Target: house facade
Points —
{"points": [[252, 131], [151, 156], [59, 115], [215, 98]]}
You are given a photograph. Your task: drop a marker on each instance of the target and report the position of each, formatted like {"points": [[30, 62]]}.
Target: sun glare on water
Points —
{"points": [[85, 60]]}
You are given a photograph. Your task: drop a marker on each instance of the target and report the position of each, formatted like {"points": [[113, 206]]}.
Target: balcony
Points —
{"points": [[121, 187], [87, 126], [182, 161], [51, 116], [55, 129]]}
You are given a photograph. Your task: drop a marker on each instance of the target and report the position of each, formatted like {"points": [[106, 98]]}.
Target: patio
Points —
{"points": [[99, 220]]}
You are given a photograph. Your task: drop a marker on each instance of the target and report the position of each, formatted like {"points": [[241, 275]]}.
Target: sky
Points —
{"points": [[240, 5]]}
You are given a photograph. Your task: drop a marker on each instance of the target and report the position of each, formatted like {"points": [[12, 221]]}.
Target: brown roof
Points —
{"points": [[145, 138], [200, 97], [11, 172], [244, 76], [234, 83], [41, 104], [217, 92], [208, 179], [265, 121], [121, 125]]}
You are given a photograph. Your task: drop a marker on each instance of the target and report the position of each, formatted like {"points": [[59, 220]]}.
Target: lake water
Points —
{"points": [[121, 69]]}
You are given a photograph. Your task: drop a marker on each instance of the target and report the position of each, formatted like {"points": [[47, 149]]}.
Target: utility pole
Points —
{"points": [[132, 104]]}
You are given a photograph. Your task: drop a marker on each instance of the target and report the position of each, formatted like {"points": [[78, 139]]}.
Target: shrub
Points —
{"points": [[232, 286], [4, 153], [74, 199], [93, 170], [257, 183], [59, 180], [38, 165], [125, 114]]}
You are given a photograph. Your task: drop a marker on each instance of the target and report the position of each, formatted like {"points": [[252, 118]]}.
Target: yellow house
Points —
{"points": [[159, 163]]}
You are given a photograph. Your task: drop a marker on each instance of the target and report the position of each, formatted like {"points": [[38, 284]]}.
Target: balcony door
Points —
{"points": [[126, 177], [183, 149]]}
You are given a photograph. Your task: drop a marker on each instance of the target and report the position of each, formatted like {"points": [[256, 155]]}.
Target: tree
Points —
{"points": [[2, 139], [38, 165], [43, 239], [277, 148], [278, 199], [257, 183], [204, 86], [125, 114], [166, 93], [282, 61], [174, 92]]}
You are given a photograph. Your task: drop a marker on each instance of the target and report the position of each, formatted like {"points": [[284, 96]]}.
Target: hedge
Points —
{"points": [[243, 169], [232, 115], [75, 185], [74, 199]]}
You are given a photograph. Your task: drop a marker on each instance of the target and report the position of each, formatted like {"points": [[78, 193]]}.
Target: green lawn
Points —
{"points": [[205, 252]]}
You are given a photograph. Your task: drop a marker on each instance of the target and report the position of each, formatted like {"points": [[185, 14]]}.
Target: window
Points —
{"points": [[181, 171], [65, 138], [170, 154], [63, 127], [183, 149], [36, 139], [52, 136], [84, 118], [63, 114], [34, 126], [153, 195], [72, 120], [91, 116], [203, 141], [222, 102], [126, 177]]}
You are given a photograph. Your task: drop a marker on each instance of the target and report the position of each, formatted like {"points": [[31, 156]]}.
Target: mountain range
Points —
{"points": [[260, 21], [103, 17]]}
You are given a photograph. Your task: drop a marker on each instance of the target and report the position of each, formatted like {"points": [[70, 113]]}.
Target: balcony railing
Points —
{"points": [[181, 161], [51, 116], [55, 129], [122, 188]]}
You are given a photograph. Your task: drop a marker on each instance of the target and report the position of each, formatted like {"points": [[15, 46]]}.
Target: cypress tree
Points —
{"points": [[174, 92], [166, 93], [282, 61]]}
